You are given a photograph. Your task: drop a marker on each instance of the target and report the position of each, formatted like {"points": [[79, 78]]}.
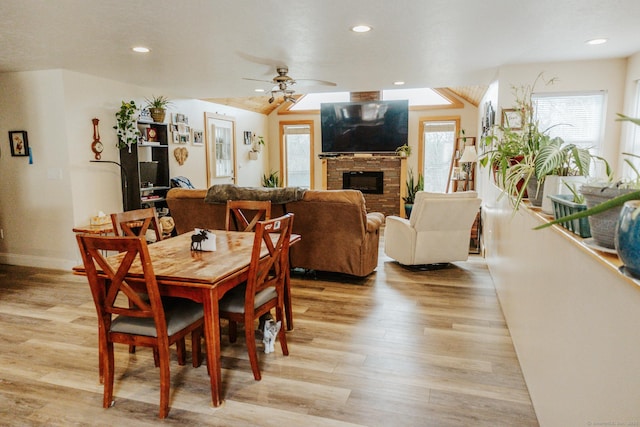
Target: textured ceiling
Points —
{"points": [[204, 48]]}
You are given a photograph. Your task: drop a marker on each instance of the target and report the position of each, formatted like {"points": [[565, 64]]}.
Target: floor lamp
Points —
{"points": [[469, 156]]}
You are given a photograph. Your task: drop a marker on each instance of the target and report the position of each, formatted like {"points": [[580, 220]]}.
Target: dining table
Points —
{"points": [[201, 276]]}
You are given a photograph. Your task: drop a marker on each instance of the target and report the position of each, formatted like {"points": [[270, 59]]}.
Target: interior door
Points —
{"points": [[220, 139]]}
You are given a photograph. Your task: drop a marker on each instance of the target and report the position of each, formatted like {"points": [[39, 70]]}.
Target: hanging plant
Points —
{"points": [[126, 127]]}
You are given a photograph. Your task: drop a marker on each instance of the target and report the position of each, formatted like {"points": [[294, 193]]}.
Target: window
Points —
{"points": [[438, 140], [633, 139], [576, 117], [297, 149]]}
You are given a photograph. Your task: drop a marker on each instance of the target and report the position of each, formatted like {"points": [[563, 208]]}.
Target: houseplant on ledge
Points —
{"points": [[403, 150], [271, 180], [627, 226], [412, 188], [506, 146], [157, 106]]}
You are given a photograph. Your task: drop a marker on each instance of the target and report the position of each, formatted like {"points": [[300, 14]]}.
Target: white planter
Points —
{"points": [[253, 155]]}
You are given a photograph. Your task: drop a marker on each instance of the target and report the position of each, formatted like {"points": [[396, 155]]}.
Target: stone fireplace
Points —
{"points": [[380, 178]]}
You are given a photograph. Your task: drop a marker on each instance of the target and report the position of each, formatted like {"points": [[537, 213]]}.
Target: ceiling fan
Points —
{"points": [[283, 84]]}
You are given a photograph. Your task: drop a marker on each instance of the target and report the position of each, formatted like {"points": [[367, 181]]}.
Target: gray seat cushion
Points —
{"points": [[233, 301], [179, 314]]}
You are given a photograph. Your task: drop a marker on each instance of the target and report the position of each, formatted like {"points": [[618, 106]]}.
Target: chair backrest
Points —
{"points": [[275, 235], [107, 280], [237, 211], [444, 211], [136, 223]]}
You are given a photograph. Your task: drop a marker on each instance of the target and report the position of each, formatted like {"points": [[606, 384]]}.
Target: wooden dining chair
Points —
{"points": [[144, 322], [136, 223], [239, 210], [264, 288], [236, 219]]}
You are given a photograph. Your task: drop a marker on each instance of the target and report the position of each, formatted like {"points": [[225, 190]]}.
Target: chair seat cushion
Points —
{"points": [[233, 301], [179, 314]]}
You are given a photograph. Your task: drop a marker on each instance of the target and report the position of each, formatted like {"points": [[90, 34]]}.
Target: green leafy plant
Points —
{"points": [[413, 186], [271, 180], [126, 127], [406, 149], [257, 142], [616, 201], [161, 102]]}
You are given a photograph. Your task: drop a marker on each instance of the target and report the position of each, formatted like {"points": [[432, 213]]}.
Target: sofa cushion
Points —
{"points": [[220, 193]]}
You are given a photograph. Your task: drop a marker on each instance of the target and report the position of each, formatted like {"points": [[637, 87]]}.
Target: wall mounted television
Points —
{"points": [[366, 126]]}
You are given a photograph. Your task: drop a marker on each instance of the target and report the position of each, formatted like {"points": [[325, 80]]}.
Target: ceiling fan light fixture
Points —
{"points": [[361, 28]]}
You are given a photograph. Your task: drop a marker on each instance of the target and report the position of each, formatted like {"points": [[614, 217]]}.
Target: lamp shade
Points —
{"points": [[469, 155]]}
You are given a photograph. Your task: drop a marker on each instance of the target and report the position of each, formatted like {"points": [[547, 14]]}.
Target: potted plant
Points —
{"points": [[126, 127], [157, 106], [404, 150], [617, 210], [271, 180], [257, 142], [508, 146], [413, 187]]}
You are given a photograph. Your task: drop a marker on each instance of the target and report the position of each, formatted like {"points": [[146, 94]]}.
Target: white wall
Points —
{"points": [[41, 203]]}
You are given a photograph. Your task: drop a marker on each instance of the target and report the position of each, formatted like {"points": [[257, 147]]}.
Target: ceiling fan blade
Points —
{"points": [[258, 80], [314, 82]]}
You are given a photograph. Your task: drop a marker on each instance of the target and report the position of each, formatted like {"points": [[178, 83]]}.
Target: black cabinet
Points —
{"points": [[146, 169]]}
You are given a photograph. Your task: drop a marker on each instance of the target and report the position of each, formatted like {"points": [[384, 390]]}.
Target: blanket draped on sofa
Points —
{"points": [[220, 193]]}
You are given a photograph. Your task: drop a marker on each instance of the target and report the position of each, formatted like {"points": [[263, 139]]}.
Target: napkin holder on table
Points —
{"points": [[203, 240]]}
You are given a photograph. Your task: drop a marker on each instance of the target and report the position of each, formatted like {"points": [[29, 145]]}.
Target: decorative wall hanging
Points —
{"points": [[198, 137], [19, 143], [181, 154], [180, 129]]}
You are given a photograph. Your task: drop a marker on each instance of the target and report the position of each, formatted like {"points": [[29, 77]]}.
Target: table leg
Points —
{"points": [[287, 299], [212, 339]]}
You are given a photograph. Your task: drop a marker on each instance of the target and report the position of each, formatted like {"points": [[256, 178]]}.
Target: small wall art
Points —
{"points": [[198, 137], [19, 143]]}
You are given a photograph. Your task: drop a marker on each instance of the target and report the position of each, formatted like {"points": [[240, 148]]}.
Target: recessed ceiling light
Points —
{"points": [[141, 49], [597, 41], [258, 90], [361, 29], [398, 83]]}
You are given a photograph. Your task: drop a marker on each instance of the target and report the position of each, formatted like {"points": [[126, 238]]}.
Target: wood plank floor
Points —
{"points": [[398, 348]]}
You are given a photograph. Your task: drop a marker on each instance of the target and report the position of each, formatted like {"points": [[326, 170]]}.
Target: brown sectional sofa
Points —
{"points": [[338, 235]]}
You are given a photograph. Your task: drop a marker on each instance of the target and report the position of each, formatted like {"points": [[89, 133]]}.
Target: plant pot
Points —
{"points": [[535, 194], [407, 209], [253, 155], [157, 114], [603, 225], [627, 238]]}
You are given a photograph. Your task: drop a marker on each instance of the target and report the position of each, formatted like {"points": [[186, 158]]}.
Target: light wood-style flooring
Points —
{"points": [[398, 348]]}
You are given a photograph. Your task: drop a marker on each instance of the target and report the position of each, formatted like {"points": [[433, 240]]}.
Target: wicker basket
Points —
{"points": [[563, 206]]}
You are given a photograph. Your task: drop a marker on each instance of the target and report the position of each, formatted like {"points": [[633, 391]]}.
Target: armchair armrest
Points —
{"points": [[374, 221]]}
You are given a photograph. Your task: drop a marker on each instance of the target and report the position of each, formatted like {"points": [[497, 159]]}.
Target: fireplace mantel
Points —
{"points": [[394, 181]]}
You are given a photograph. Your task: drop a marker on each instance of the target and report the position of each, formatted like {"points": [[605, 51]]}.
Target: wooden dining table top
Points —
{"points": [[175, 262]]}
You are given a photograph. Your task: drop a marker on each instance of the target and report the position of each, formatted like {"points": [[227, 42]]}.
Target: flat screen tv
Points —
{"points": [[367, 126]]}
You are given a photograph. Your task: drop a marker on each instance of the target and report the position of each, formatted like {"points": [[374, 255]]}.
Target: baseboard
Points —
{"points": [[40, 262]]}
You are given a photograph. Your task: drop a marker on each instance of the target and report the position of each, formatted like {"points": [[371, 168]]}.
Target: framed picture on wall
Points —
{"points": [[19, 143], [198, 137], [511, 118]]}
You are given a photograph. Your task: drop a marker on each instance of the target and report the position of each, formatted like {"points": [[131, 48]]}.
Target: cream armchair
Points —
{"points": [[438, 230]]}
